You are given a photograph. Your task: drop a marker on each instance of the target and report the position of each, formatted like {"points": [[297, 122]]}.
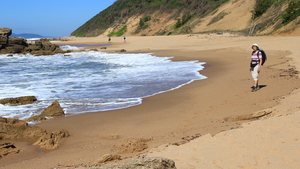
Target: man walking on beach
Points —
{"points": [[255, 65]]}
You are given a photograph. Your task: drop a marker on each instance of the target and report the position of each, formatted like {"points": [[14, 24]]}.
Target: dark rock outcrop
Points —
{"points": [[19, 100], [4, 34], [43, 47], [54, 110], [52, 140], [7, 149], [122, 50], [13, 128], [19, 45], [146, 163]]}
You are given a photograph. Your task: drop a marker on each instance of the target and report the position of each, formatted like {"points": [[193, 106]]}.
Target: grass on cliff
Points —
{"points": [[292, 12], [119, 33]]}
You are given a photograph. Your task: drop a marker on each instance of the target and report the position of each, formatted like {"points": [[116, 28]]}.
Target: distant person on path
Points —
{"points": [[255, 65], [124, 39], [109, 39]]}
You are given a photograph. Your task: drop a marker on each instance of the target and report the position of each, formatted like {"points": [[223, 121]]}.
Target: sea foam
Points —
{"points": [[89, 81]]}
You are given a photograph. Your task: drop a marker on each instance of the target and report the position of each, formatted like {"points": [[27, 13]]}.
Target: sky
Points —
{"points": [[57, 18]]}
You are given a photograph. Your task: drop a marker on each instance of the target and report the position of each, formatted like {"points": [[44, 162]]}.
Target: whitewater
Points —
{"points": [[89, 81]]}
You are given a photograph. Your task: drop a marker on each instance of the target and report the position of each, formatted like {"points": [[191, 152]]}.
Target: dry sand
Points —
{"points": [[194, 109]]}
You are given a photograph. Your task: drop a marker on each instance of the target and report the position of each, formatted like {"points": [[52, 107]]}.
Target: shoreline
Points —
{"points": [[196, 108]]}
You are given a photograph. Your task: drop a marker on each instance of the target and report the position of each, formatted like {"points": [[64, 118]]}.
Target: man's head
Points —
{"points": [[255, 47]]}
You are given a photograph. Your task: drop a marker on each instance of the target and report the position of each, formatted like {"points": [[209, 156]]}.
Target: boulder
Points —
{"points": [[43, 47], [146, 163], [13, 128], [19, 100], [54, 110], [7, 149], [4, 34], [13, 49], [122, 50], [93, 50], [52, 140], [17, 41], [108, 157]]}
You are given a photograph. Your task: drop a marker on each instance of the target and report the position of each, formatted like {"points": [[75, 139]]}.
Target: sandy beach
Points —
{"points": [[209, 108]]}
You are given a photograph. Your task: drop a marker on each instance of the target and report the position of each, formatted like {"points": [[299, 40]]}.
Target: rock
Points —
{"points": [[36, 118], [122, 50], [5, 31], [93, 50], [146, 163], [13, 49], [107, 158], [54, 110], [43, 47], [52, 140], [4, 34], [17, 41], [132, 146], [103, 48], [7, 149], [19, 100], [13, 128], [19, 45]]}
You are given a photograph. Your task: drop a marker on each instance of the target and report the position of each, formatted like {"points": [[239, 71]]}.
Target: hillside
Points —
{"points": [[167, 17]]}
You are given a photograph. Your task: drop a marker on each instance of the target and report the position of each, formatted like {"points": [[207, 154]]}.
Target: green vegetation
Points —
{"points": [[142, 24], [79, 34], [292, 12], [289, 14], [261, 7], [182, 21], [144, 20], [121, 10], [119, 33]]}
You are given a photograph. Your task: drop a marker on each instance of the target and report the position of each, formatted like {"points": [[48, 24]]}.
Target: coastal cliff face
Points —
{"points": [[167, 17]]}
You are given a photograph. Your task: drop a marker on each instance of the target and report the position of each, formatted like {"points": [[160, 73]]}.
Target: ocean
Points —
{"points": [[89, 81]]}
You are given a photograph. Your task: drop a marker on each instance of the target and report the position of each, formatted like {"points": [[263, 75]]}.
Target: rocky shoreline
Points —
{"points": [[9, 45], [20, 129]]}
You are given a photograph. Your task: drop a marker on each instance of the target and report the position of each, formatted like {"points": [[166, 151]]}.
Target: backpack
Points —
{"points": [[264, 56]]}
